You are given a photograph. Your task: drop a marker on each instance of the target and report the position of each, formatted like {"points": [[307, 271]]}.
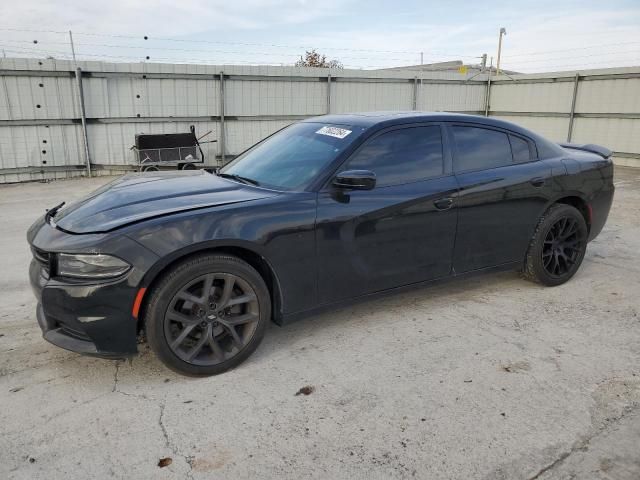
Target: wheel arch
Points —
{"points": [[241, 251], [579, 203], [575, 199]]}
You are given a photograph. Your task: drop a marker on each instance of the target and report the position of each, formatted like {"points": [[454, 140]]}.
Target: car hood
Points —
{"points": [[140, 196]]}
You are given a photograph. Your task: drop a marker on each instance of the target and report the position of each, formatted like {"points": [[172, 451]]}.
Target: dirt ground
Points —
{"points": [[489, 378]]}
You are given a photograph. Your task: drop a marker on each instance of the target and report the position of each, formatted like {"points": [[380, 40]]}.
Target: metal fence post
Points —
{"points": [[415, 93], [5, 89], [487, 96], [572, 113], [329, 93], [83, 113], [222, 125]]}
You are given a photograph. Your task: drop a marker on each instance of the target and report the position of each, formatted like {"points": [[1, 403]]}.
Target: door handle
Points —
{"points": [[443, 203], [537, 182]]}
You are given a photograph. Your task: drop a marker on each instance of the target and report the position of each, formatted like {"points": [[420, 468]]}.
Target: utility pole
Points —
{"points": [[503, 31], [487, 95], [73, 50], [421, 58], [83, 111], [223, 129]]}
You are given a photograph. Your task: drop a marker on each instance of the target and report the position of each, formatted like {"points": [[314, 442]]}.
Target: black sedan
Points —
{"points": [[321, 213]]}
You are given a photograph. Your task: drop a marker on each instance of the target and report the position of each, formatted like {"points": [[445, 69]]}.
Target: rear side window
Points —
{"points": [[521, 149], [480, 148], [401, 156]]}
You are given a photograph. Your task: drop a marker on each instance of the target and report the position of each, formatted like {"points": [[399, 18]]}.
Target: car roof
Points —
{"points": [[386, 119]]}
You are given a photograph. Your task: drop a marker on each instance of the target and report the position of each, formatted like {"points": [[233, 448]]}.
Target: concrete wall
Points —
{"points": [[41, 135]]}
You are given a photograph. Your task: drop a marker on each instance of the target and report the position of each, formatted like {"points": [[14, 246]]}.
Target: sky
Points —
{"points": [[541, 35]]}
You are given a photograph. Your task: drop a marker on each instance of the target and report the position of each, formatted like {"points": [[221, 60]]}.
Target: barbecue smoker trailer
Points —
{"points": [[169, 150]]}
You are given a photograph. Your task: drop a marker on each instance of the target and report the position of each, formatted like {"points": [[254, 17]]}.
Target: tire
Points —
{"points": [[233, 297], [188, 166], [557, 247], [150, 168]]}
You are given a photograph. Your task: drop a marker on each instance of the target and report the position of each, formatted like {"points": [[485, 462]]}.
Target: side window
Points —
{"points": [[480, 148], [401, 156], [521, 149]]}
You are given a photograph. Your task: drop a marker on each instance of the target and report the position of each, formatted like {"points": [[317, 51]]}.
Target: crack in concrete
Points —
{"points": [[558, 460], [115, 388], [115, 377], [171, 446], [134, 395], [584, 443]]}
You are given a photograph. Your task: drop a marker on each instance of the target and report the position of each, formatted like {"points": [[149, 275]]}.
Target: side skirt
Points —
{"points": [[292, 317]]}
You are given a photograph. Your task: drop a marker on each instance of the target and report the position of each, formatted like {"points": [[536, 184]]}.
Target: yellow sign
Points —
{"points": [[462, 69]]}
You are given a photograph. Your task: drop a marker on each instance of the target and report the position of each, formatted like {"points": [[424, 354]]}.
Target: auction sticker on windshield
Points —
{"points": [[334, 132]]}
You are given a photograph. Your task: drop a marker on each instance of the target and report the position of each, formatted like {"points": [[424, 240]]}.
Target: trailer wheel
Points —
{"points": [[188, 166]]}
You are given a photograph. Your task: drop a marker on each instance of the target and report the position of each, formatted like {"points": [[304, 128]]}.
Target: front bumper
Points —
{"points": [[92, 320], [60, 336], [92, 317]]}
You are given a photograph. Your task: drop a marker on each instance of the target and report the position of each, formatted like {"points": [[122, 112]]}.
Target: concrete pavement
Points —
{"points": [[489, 378]]}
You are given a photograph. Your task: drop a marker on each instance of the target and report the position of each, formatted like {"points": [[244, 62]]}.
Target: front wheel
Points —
{"points": [[207, 314], [557, 247]]}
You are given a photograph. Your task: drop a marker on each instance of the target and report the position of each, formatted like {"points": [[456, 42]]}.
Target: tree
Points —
{"points": [[314, 59]]}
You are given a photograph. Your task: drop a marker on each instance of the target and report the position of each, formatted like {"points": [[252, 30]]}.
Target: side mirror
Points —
{"points": [[355, 180]]}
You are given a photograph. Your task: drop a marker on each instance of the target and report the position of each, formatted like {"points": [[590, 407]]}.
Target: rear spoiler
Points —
{"points": [[604, 152]]}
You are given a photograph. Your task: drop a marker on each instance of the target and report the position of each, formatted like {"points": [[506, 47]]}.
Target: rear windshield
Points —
{"points": [[293, 157]]}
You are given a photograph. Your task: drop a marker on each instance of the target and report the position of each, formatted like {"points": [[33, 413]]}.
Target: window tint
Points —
{"points": [[401, 156], [293, 157], [480, 148], [520, 147]]}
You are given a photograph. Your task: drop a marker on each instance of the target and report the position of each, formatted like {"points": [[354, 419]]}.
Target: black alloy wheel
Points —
{"points": [[563, 246], [211, 318], [557, 247], [207, 314]]}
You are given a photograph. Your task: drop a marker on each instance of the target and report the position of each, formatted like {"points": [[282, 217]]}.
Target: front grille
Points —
{"points": [[43, 258]]}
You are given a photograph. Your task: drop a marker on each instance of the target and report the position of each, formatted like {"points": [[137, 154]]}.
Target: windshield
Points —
{"points": [[292, 158]]}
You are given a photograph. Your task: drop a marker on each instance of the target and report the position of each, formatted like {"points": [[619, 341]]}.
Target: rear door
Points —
{"points": [[400, 232], [503, 190]]}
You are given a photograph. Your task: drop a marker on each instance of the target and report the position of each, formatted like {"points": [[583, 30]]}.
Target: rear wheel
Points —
{"points": [[207, 315], [557, 247]]}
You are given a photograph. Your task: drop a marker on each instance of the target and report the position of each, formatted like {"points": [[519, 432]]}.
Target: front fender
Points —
{"points": [[280, 231]]}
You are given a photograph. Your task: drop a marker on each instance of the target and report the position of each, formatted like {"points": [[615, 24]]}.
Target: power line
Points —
{"points": [[252, 53], [593, 55], [590, 47], [247, 44], [245, 62], [296, 54], [304, 47], [521, 64], [31, 51], [582, 65]]}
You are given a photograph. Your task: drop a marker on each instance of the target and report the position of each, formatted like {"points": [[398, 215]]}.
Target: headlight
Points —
{"points": [[90, 266]]}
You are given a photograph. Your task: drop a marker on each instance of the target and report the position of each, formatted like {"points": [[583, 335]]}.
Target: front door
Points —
{"points": [[400, 232]]}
